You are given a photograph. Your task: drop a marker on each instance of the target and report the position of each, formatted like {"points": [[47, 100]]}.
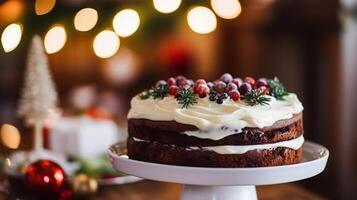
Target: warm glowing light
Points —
{"points": [[166, 6], [10, 136], [11, 37], [46, 179], [55, 39], [121, 68], [8, 162], [106, 44], [201, 20], [11, 10], [126, 22], [44, 6], [58, 176], [227, 9], [85, 19]]}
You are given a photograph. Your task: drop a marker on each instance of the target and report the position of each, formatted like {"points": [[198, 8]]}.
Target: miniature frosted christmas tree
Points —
{"points": [[38, 97]]}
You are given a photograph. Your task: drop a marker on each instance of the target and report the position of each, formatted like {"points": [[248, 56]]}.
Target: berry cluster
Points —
{"points": [[235, 88], [250, 90]]}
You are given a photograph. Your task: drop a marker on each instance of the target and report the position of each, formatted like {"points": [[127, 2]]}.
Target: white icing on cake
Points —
{"points": [[210, 117], [241, 149]]}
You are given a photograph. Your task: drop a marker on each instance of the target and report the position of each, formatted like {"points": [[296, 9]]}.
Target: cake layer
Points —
{"points": [[170, 132], [178, 155], [240, 149]]}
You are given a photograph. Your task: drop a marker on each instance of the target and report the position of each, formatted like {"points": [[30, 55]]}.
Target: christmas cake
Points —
{"points": [[229, 122]]}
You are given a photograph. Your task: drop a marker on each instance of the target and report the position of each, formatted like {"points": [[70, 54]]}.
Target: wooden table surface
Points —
{"points": [[151, 190]]}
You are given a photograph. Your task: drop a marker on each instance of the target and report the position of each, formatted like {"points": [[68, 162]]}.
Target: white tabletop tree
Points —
{"points": [[38, 97]]}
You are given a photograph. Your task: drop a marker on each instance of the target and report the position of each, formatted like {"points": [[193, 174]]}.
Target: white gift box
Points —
{"points": [[83, 136]]}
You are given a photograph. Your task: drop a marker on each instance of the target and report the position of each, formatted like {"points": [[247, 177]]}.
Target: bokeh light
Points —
{"points": [[85, 19], [10, 136], [166, 6], [11, 10], [55, 39], [201, 20], [126, 22], [11, 37], [122, 68], [43, 7], [106, 44], [227, 9]]}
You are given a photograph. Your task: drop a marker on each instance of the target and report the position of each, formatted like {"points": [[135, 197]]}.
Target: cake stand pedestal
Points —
{"points": [[201, 183]]}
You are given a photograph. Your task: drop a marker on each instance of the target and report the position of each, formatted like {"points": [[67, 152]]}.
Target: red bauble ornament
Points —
{"points": [[44, 179], [65, 194]]}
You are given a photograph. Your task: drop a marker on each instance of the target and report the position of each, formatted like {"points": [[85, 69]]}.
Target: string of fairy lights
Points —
{"points": [[200, 19]]}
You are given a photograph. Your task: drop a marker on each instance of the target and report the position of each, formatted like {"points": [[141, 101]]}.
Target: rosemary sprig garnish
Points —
{"points": [[277, 89], [186, 98], [160, 91], [255, 97], [157, 92], [145, 94]]}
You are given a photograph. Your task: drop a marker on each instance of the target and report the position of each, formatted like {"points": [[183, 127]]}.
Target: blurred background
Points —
{"points": [[101, 53]]}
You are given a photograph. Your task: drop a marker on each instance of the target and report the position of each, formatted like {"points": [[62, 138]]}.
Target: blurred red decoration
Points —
{"points": [[175, 55], [65, 194], [98, 113], [44, 179]]}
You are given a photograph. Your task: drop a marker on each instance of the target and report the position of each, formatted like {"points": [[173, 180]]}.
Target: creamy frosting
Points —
{"points": [[240, 149], [210, 117]]}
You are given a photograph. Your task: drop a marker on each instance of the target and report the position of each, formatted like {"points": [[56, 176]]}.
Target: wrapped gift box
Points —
{"points": [[83, 136]]}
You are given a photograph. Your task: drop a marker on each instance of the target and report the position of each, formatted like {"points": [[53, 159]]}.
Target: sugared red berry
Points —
{"points": [[180, 77], [197, 83], [200, 81], [219, 101], [234, 95], [264, 90], [249, 80], [160, 82], [237, 81], [171, 81], [202, 95], [182, 82], [231, 86], [261, 82], [202, 90], [245, 88], [173, 89], [220, 86], [226, 77]]}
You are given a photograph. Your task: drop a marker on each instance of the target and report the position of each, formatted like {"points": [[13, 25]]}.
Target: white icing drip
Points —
{"points": [[210, 116], [240, 149]]}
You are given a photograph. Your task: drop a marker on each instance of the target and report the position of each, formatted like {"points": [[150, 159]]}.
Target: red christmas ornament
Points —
{"points": [[44, 179], [65, 194]]}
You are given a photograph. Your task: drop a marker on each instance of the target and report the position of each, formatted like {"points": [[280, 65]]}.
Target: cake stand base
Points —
{"points": [[204, 183], [195, 192]]}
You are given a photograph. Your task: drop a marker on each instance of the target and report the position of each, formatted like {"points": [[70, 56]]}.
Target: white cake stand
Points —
{"points": [[202, 183]]}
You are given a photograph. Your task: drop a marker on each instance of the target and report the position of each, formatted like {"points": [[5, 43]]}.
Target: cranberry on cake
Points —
{"points": [[230, 122]]}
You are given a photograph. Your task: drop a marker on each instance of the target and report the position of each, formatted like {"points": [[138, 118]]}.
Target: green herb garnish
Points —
{"points": [[255, 97], [277, 89], [160, 91], [186, 98], [145, 94]]}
